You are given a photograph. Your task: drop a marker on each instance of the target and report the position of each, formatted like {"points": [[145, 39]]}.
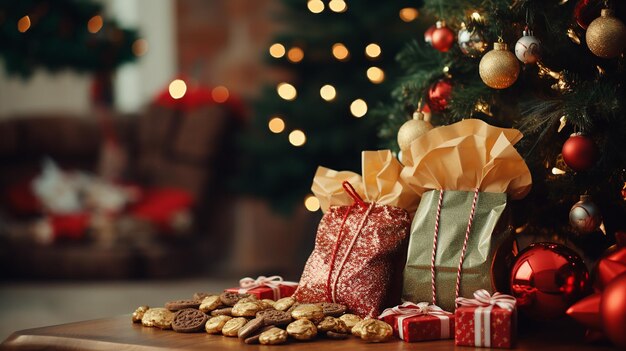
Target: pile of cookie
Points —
{"points": [[255, 321]]}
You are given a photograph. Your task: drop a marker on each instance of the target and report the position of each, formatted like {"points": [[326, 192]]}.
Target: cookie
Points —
{"points": [[312, 312], [229, 298], [210, 303], [138, 314], [178, 305], [350, 319], [284, 304], [158, 317], [332, 309], [215, 324], [275, 317], [332, 324], [246, 308], [254, 339], [270, 303], [250, 328], [231, 327], [336, 336], [273, 336], [302, 329], [199, 296], [226, 311], [189, 320], [374, 330]]}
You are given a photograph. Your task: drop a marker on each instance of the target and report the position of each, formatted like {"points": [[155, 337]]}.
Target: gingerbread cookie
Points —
{"points": [[189, 320], [275, 317]]}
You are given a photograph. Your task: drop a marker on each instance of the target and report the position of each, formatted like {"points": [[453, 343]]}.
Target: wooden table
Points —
{"points": [[118, 333]]}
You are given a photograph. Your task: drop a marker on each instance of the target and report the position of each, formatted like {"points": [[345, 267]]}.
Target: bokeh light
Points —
{"points": [[297, 137], [140, 47], [287, 91], [177, 88], [337, 6], [328, 92], [311, 203], [340, 52], [295, 54], [375, 75], [220, 94], [95, 24], [315, 6], [276, 125], [358, 108], [277, 50], [372, 50], [23, 24], [409, 14]]}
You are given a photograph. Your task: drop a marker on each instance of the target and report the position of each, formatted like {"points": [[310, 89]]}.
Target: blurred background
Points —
{"points": [[150, 149]]}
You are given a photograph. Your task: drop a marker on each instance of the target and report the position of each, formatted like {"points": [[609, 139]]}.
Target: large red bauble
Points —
{"points": [[613, 311], [428, 34], [439, 95], [548, 278], [442, 38], [579, 152]]}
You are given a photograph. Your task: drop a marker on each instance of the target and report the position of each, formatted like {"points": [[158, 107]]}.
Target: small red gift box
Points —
{"points": [[419, 322], [273, 287], [486, 321]]}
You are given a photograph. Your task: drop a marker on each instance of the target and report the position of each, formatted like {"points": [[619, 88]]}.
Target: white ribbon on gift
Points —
{"points": [[410, 309], [274, 282], [484, 303]]}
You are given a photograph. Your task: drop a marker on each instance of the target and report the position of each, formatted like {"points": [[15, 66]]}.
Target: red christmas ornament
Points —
{"points": [[579, 152], [428, 34], [612, 263], [586, 11], [613, 311], [439, 95], [548, 278], [442, 37]]}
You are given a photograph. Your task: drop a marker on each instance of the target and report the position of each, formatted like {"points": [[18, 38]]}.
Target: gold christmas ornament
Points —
{"points": [[413, 129], [606, 35], [499, 68]]}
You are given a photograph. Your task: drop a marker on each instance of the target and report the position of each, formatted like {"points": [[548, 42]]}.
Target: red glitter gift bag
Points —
{"points": [[360, 248]]}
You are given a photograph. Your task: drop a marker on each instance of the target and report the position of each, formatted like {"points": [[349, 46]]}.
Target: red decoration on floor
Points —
{"points": [[419, 322], [273, 287]]}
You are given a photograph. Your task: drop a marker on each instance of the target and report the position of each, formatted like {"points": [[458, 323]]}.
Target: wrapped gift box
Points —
{"points": [[419, 322], [486, 325], [273, 288]]}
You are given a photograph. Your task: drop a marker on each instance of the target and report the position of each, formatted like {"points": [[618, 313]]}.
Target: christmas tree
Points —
{"points": [[63, 34], [547, 68], [339, 60]]}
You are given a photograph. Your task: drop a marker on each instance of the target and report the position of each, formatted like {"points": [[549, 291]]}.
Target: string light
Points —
{"points": [[328, 92], [95, 24], [409, 14], [177, 88], [276, 125], [220, 94], [372, 50], [277, 50], [338, 6], [476, 16], [287, 91], [358, 108], [140, 47], [297, 137], [295, 54], [23, 24], [375, 75], [557, 171], [311, 203], [341, 52], [315, 6]]}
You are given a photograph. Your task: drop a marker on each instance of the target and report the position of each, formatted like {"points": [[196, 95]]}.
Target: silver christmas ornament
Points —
{"points": [[528, 48], [472, 43], [585, 215]]}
